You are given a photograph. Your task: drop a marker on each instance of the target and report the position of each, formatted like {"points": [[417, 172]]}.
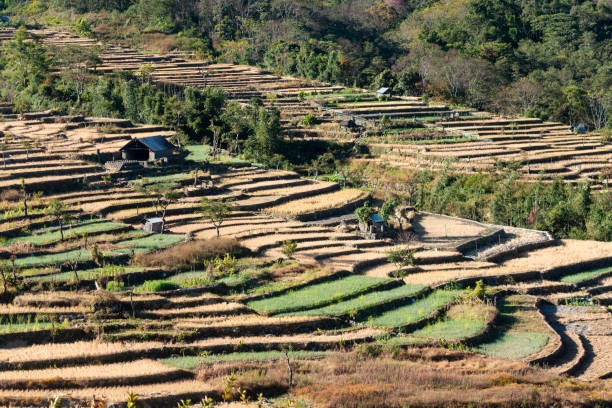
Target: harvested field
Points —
{"points": [[432, 229], [325, 202], [135, 372]]}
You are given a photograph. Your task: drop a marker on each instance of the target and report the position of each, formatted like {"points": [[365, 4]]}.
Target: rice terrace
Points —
{"points": [[209, 233]]}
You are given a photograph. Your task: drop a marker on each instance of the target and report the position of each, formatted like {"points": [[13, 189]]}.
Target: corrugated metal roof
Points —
{"points": [[155, 220], [382, 91], [376, 218], [156, 143]]}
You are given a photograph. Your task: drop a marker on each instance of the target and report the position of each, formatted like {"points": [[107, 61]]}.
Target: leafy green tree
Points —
{"points": [[59, 211], [599, 223], [388, 208], [266, 140], [364, 213], [402, 258], [26, 60], [501, 207], [216, 211]]}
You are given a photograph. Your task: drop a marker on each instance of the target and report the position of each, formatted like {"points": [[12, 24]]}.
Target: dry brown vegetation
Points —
{"points": [[191, 254], [387, 383], [415, 378]]}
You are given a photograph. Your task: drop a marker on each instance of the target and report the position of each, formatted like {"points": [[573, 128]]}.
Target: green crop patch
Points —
{"points": [[70, 233], [192, 362], [138, 245], [317, 295], [24, 327], [461, 321], [197, 153], [157, 286], [515, 345], [451, 329], [166, 178], [416, 311], [362, 302], [580, 277], [148, 243], [54, 259], [88, 274]]}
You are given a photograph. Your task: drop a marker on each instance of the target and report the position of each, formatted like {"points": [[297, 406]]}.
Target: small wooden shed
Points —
{"points": [[384, 93], [348, 124], [148, 149], [377, 224], [155, 224]]}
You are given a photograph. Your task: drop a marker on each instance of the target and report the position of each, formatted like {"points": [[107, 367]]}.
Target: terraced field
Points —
{"points": [[154, 327], [402, 131], [337, 290]]}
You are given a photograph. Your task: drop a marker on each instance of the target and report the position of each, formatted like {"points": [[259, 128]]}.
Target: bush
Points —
{"points": [[479, 291], [309, 120], [364, 213], [115, 286], [10, 195], [158, 286], [289, 247], [402, 257], [369, 350], [192, 255]]}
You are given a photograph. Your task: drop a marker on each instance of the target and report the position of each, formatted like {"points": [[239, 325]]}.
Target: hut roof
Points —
{"points": [[376, 218], [153, 143]]}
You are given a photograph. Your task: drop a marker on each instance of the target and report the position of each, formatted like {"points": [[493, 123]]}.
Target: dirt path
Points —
{"points": [[587, 328]]}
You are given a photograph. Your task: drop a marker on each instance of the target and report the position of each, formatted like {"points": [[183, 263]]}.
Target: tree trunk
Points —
{"points": [[61, 225], [290, 369], [163, 217], [25, 203], [218, 226]]}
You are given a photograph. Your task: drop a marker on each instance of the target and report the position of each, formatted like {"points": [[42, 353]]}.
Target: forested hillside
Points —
{"points": [[546, 58]]}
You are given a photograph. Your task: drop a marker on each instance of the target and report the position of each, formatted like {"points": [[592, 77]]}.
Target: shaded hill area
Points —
{"points": [[548, 59]]}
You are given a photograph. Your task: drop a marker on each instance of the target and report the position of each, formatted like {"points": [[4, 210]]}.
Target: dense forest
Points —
{"points": [[545, 58]]}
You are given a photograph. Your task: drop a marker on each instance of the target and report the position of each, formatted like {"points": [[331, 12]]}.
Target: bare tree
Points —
{"points": [[598, 112], [27, 145], [216, 131], [5, 270], [73, 265], [24, 193], [3, 149], [59, 212], [164, 195]]}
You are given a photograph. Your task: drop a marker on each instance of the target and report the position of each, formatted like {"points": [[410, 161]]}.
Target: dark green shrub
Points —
{"points": [[158, 286]]}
